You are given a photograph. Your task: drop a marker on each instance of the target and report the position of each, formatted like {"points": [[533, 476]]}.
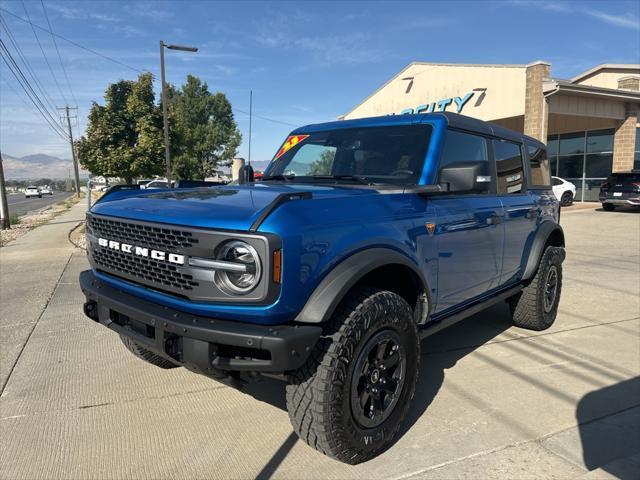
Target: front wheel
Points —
{"points": [[536, 306], [350, 398]]}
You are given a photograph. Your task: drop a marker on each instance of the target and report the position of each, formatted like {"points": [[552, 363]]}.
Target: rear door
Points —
{"points": [[519, 208], [469, 230]]}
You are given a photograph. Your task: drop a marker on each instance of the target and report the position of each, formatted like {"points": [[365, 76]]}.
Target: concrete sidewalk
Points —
{"points": [[30, 268], [493, 401]]}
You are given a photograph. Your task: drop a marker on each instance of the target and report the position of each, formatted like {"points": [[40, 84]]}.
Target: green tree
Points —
{"points": [[323, 165], [203, 130], [124, 137]]}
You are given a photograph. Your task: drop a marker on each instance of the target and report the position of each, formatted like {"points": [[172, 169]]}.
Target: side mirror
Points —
{"points": [[465, 177]]}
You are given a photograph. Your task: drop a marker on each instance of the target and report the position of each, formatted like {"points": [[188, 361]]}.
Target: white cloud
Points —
{"points": [[625, 21]]}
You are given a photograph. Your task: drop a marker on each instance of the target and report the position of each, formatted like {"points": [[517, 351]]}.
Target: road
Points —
{"points": [[20, 205], [493, 401]]}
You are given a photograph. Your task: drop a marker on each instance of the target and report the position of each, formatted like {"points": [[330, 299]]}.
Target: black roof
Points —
{"points": [[470, 124], [454, 120]]}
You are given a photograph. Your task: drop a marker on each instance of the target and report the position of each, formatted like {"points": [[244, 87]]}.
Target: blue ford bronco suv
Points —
{"points": [[363, 237]]}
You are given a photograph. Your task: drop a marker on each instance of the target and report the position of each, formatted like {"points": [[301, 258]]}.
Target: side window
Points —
{"points": [[463, 147], [509, 168], [539, 163], [557, 182]]}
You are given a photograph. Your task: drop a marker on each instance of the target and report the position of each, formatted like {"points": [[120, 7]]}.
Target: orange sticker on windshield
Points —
{"points": [[291, 142]]}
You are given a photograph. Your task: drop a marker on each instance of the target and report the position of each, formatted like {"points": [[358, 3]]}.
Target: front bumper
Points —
{"points": [[201, 344]]}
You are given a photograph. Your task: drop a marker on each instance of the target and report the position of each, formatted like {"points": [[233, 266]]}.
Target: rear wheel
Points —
{"points": [[536, 306], [566, 199], [146, 355], [348, 401], [609, 207]]}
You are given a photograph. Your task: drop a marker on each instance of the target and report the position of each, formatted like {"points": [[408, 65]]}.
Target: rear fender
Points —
{"points": [[548, 233]]}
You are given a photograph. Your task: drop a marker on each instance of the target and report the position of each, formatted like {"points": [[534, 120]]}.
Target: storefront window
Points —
{"points": [[636, 157], [587, 169], [600, 141], [572, 143], [570, 166], [599, 165]]}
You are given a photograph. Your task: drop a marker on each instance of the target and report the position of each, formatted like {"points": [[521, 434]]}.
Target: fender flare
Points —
{"points": [[545, 230], [335, 285]]}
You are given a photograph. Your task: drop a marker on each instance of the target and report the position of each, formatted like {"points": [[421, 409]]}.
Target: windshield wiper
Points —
{"points": [[286, 178], [358, 178]]}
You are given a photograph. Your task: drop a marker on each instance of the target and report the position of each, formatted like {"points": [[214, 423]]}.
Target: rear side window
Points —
{"points": [[509, 168], [539, 166], [463, 147]]}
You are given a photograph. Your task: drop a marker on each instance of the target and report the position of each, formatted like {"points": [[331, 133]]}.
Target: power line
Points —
{"points": [[64, 70], [265, 118], [28, 89], [43, 54], [72, 42], [27, 65]]}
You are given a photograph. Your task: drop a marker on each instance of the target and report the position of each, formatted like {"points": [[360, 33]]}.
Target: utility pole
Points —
{"points": [[5, 222], [73, 150], [163, 96]]}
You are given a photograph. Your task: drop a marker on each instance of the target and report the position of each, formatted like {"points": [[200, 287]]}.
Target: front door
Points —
{"points": [[470, 238], [468, 229]]}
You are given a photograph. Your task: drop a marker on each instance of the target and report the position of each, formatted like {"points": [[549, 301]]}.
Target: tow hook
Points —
{"points": [[91, 310]]}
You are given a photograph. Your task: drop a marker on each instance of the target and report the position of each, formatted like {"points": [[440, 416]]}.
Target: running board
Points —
{"points": [[436, 326]]}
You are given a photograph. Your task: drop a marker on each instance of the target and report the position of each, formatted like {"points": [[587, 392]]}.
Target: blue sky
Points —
{"points": [[306, 62]]}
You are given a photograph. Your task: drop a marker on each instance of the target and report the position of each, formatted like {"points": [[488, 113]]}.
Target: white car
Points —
{"points": [[159, 183], [46, 190], [563, 190], [32, 191]]}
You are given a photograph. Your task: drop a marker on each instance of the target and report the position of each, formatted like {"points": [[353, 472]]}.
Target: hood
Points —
{"points": [[225, 207]]}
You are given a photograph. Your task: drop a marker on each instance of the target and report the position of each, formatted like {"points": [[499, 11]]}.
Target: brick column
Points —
{"points": [[624, 140], [535, 109]]}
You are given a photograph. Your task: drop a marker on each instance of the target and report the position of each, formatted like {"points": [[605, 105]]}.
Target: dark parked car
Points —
{"points": [[621, 189]]}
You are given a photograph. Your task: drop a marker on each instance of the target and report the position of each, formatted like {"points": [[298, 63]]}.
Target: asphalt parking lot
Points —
{"points": [[493, 401]]}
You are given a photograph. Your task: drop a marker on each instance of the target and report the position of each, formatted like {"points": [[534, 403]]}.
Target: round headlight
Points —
{"points": [[247, 275]]}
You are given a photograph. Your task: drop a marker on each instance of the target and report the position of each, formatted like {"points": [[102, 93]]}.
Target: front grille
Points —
{"points": [[143, 269], [160, 238], [185, 280]]}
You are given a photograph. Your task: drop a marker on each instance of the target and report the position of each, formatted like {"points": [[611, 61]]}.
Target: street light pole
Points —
{"points": [[163, 95]]}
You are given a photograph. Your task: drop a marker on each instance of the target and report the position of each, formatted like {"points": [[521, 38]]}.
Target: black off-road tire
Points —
{"points": [[528, 308], [146, 355], [319, 394], [566, 199], [609, 207]]}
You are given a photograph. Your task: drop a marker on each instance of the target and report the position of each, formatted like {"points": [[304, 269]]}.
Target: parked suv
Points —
{"points": [[621, 189], [363, 237]]}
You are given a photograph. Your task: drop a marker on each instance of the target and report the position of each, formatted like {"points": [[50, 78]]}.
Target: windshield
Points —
{"points": [[370, 155]]}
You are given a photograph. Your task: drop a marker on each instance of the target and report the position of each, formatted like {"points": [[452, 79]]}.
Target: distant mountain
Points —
{"points": [[39, 165]]}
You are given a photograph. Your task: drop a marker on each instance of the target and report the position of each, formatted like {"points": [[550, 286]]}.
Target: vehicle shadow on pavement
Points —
{"points": [[607, 443], [443, 350], [439, 353]]}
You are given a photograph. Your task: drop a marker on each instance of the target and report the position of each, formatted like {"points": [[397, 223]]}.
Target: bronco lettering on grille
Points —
{"points": [[141, 251]]}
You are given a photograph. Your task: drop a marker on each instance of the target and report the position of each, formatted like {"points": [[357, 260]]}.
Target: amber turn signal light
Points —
{"points": [[277, 266]]}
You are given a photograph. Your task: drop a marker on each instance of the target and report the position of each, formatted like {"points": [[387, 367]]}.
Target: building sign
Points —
{"points": [[457, 103]]}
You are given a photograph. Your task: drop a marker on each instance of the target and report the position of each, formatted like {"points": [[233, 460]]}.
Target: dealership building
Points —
{"points": [[590, 122]]}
